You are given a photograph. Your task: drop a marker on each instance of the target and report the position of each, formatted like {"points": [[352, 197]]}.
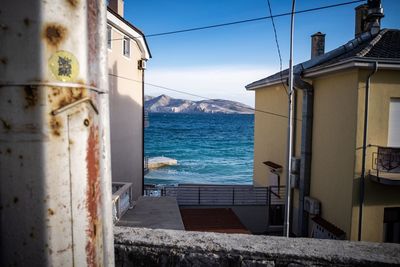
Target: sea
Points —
{"points": [[209, 148]]}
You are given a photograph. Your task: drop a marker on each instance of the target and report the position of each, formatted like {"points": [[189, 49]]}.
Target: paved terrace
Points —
{"points": [[155, 213]]}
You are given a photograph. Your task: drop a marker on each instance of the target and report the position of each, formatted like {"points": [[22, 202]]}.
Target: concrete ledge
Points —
{"points": [[149, 247]]}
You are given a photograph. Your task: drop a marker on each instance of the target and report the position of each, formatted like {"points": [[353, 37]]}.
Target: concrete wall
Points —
{"points": [[384, 86], [334, 140], [126, 113], [149, 247]]}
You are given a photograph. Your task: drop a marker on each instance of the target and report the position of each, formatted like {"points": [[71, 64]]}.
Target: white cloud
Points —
{"points": [[224, 82]]}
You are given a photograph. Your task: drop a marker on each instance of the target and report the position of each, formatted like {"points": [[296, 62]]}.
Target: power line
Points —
{"points": [[195, 95], [251, 20], [244, 21], [277, 46]]}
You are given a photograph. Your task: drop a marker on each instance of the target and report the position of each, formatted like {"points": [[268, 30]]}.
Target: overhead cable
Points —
{"points": [[277, 46]]}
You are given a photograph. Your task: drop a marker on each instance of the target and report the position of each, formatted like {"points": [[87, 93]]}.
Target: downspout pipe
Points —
{"points": [[364, 151], [143, 125], [306, 148]]}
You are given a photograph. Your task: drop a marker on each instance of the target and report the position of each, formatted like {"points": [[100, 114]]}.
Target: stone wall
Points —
{"points": [[148, 247]]}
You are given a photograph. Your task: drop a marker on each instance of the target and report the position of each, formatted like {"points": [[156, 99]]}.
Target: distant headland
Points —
{"points": [[167, 104]]}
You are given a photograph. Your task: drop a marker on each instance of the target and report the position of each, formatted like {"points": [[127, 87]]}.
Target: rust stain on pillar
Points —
{"points": [[92, 194], [54, 34]]}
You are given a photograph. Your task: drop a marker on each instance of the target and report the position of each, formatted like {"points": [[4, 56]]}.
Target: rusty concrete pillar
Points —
{"points": [[55, 184]]}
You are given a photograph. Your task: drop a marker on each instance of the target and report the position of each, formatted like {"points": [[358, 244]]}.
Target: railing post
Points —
{"points": [[199, 194], [233, 196], [268, 206]]}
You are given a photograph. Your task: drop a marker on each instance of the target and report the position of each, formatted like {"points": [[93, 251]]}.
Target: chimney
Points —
{"points": [[117, 6], [361, 15], [368, 17], [317, 44]]}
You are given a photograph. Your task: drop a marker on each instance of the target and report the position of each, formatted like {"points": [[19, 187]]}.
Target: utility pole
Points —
{"points": [[55, 186], [291, 111]]}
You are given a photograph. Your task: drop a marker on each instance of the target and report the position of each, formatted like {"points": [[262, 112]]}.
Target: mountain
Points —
{"points": [[167, 104]]}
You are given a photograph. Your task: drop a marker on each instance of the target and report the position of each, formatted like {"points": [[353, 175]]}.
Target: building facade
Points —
{"points": [[127, 56], [346, 180]]}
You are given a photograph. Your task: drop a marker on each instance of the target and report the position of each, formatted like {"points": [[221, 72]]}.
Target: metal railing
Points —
{"points": [[220, 195], [146, 119], [386, 159], [121, 199], [146, 165]]}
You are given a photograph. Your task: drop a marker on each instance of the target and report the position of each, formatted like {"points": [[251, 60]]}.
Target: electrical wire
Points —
{"points": [[195, 95], [277, 46], [252, 20]]}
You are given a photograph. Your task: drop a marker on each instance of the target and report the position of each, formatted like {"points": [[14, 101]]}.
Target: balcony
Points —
{"points": [[386, 166]]}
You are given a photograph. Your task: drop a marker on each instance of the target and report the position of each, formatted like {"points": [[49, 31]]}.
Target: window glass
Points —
{"points": [[394, 123], [126, 46], [109, 36]]}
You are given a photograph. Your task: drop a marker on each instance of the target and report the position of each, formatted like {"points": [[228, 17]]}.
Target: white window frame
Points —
{"points": [[126, 53], [109, 37], [394, 123]]}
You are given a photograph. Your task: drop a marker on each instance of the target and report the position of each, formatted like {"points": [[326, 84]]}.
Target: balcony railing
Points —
{"points": [[386, 165], [146, 165], [220, 195], [146, 119]]}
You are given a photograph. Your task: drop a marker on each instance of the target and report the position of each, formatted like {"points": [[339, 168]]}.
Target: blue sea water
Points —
{"points": [[209, 148]]}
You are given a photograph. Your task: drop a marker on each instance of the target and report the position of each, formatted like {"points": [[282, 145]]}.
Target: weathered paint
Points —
{"points": [[73, 3], [92, 194], [31, 95], [52, 188], [54, 34]]}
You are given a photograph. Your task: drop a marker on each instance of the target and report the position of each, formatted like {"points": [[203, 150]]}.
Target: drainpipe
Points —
{"points": [[364, 150], [143, 124], [55, 187], [306, 149]]}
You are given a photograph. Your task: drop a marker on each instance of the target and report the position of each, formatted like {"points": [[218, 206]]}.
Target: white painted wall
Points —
{"points": [[126, 108]]}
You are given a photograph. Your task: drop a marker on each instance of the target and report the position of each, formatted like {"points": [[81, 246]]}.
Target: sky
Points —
{"points": [[219, 62]]}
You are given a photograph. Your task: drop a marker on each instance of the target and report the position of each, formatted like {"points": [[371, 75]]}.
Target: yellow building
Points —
{"points": [[347, 160], [127, 56]]}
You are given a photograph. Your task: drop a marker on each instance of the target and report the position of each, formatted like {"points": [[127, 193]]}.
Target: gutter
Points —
{"points": [[356, 62], [364, 151]]}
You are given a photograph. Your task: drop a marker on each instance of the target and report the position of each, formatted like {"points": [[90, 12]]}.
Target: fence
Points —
{"points": [[146, 165]]}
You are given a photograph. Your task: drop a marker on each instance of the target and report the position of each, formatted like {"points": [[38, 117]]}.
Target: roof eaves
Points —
{"points": [[302, 67], [132, 27], [354, 62], [255, 85]]}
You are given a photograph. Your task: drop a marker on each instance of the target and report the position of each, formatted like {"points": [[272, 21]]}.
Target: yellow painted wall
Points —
{"points": [[334, 141], [337, 138], [384, 85], [270, 137], [270, 132], [126, 113]]}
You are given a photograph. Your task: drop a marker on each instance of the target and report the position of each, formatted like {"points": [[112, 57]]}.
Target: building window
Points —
{"points": [[109, 36], [126, 47], [391, 225], [394, 123]]}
